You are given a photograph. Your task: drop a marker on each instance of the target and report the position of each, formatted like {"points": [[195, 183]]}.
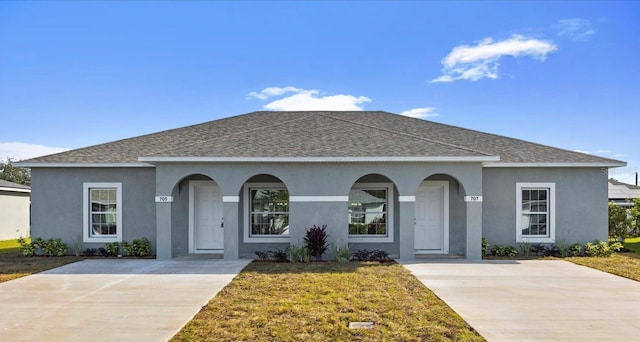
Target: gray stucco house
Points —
{"points": [[377, 180]]}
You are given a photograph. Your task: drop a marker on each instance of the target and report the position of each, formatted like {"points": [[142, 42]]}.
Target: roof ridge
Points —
{"points": [[407, 134], [200, 141]]}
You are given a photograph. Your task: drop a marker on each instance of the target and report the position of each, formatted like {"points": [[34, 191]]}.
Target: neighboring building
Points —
{"points": [[622, 194], [14, 210], [256, 181]]}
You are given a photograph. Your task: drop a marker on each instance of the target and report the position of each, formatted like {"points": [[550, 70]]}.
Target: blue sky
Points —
{"points": [[565, 74]]}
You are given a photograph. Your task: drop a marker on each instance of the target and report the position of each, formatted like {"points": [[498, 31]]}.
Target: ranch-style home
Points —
{"points": [[257, 181]]}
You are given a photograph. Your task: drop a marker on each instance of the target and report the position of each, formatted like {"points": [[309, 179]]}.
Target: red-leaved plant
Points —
{"points": [[316, 241]]}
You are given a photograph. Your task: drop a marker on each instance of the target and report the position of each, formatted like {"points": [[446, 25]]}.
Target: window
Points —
{"points": [[102, 212], [268, 212], [535, 217], [370, 208]]}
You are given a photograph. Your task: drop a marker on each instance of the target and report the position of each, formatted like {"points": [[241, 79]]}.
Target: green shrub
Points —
{"points": [[280, 255], [39, 246], [485, 246], [575, 250], [28, 248], [341, 254], [113, 248], [299, 254], [562, 249], [601, 248], [504, 251], [367, 255], [55, 247], [525, 249], [620, 221], [263, 255], [138, 247]]}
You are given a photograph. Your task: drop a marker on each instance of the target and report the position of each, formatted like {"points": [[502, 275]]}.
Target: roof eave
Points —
{"points": [[555, 164], [8, 189], [85, 164]]}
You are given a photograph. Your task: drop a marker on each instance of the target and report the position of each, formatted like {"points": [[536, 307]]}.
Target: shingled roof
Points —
{"points": [[11, 186], [320, 134]]}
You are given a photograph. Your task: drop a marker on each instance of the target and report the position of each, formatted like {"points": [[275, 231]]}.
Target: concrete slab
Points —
{"points": [[107, 300], [535, 300]]}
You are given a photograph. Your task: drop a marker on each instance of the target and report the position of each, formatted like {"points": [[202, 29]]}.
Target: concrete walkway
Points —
{"points": [[535, 300], [111, 300]]}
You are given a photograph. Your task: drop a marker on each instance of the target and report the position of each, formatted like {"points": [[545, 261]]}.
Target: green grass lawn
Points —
{"points": [[633, 244], [13, 265], [11, 246], [623, 264], [316, 302]]}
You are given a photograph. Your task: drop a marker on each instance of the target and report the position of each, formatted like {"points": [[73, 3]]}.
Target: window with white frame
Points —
{"points": [[267, 212], [535, 212], [370, 210], [102, 212]]}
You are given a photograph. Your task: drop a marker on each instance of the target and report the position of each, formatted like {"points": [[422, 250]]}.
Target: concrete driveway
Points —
{"points": [[535, 300], [111, 300]]}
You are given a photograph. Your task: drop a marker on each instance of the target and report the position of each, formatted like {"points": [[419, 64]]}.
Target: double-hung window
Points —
{"points": [[268, 212], [535, 212], [102, 212], [370, 209]]}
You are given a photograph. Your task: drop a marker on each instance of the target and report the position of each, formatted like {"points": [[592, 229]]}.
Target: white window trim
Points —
{"points": [[247, 215], [86, 209], [551, 222], [390, 201]]}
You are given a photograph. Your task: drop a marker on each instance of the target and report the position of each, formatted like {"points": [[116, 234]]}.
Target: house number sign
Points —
{"points": [[473, 198], [164, 199]]}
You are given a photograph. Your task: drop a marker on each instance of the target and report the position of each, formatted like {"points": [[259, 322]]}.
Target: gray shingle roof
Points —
{"points": [[12, 185], [358, 134]]}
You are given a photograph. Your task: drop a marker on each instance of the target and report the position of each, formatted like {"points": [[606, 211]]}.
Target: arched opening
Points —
{"points": [[440, 216], [197, 216], [372, 212]]}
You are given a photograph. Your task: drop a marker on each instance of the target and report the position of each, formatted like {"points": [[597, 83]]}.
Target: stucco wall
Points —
{"points": [[57, 208], [314, 179], [581, 202], [14, 215]]}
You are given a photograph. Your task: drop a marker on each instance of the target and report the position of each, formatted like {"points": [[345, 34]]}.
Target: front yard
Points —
{"points": [[317, 301], [623, 264], [13, 265]]}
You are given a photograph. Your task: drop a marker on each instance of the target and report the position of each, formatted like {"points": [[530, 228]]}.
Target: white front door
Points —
{"points": [[206, 234], [432, 218]]}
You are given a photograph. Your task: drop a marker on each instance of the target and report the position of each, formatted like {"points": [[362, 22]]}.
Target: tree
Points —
{"points": [[14, 174], [635, 217]]}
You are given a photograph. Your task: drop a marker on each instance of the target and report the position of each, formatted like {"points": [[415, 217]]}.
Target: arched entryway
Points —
{"points": [[439, 216], [197, 216]]}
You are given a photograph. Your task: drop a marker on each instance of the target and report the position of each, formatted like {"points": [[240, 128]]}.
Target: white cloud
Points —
{"points": [[576, 29], [420, 113], [273, 91], [308, 99], [21, 151], [474, 62]]}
